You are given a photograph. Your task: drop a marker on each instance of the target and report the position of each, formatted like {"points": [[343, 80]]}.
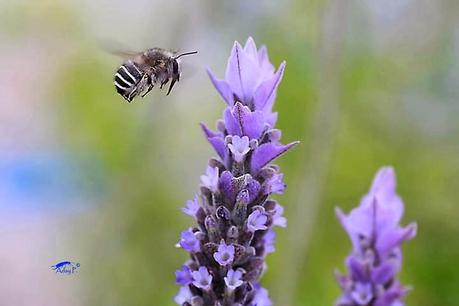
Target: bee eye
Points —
{"points": [[175, 66]]}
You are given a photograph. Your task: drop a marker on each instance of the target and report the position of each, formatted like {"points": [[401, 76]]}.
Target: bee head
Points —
{"points": [[175, 66], [175, 63]]}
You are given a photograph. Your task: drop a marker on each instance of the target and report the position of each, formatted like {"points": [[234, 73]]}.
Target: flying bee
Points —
{"points": [[142, 71]]}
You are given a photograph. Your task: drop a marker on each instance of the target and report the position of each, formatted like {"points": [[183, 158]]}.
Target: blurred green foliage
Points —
{"points": [[396, 105]]}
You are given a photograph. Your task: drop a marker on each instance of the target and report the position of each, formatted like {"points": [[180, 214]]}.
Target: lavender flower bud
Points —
{"points": [[376, 237], [233, 234], [223, 213], [212, 229], [234, 213]]}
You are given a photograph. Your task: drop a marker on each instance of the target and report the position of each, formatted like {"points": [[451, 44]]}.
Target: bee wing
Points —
{"points": [[126, 54], [119, 50]]}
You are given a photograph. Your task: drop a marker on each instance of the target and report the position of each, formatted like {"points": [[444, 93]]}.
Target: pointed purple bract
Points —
{"points": [[266, 153]]}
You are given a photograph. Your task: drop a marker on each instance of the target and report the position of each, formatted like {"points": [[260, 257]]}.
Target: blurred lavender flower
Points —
{"points": [[233, 211], [192, 207], [376, 238]]}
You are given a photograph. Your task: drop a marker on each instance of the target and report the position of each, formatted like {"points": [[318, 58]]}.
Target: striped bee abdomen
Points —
{"points": [[126, 78]]}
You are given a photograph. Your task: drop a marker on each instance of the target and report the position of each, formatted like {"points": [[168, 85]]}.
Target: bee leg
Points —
{"points": [[150, 87], [132, 95], [148, 81], [128, 97], [139, 87], [163, 83], [170, 86]]}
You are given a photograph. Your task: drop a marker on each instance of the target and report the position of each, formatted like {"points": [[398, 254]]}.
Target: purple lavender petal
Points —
{"points": [[242, 74], [239, 147], [263, 60], [183, 276], [210, 179], [261, 297], [266, 153], [233, 279], [362, 293], [253, 187], [220, 147], [217, 142], [344, 300], [266, 93], [222, 87], [384, 273], [278, 218], [225, 254], [245, 122], [250, 49], [275, 184], [184, 296], [384, 184], [271, 119], [189, 242], [269, 241], [232, 125], [257, 221], [202, 279], [391, 239], [192, 207], [208, 132], [252, 123], [391, 296], [233, 74], [357, 269]]}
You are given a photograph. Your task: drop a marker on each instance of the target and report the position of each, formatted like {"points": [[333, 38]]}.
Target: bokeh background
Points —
{"points": [[86, 177]]}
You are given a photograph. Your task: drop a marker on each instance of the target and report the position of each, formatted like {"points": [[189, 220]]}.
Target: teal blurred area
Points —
{"points": [[89, 178]]}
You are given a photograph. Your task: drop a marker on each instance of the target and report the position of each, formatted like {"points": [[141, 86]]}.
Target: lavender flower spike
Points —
{"points": [[233, 212], [376, 238]]}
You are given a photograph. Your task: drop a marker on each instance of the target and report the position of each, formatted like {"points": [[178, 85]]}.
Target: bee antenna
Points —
{"points": [[186, 53]]}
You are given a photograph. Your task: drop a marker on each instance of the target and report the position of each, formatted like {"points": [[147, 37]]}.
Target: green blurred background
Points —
{"points": [[86, 177]]}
